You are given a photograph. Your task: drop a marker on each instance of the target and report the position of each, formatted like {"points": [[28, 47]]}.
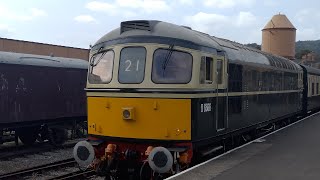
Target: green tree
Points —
{"points": [[302, 53], [254, 45]]}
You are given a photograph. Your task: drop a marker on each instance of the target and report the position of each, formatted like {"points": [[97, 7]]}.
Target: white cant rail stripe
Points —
{"points": [[190, 169]]}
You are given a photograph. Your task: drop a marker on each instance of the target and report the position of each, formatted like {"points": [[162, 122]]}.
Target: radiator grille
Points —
{"points": [[135, 25]]}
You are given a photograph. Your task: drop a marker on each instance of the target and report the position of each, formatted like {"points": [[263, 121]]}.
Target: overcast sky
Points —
{"points": [[82, 22]]}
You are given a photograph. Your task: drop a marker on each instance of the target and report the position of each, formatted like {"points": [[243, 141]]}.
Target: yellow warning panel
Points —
{"points": [[140, 118]]}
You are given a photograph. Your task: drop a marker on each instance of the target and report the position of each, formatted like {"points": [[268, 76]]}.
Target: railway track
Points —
{"points": [[18, 151], [22, 174], [6, 152], [76, 175]]}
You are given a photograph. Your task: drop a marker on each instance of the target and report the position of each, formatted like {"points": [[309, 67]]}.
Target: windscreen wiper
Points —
{"points": [[167, 58], [92, 62]]}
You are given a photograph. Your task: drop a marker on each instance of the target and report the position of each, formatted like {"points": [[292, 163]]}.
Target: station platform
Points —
{"points": [[290, 153]]}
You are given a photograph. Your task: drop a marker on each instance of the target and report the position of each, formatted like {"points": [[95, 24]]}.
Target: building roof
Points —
{"points": [[279, 21], [38, 60], [29, 47], [40, 43]]}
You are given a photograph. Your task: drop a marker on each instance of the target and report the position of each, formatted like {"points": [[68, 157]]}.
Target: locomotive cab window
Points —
{"points": [[132, 65], [206, 70], [171, 67], [101, 66]]}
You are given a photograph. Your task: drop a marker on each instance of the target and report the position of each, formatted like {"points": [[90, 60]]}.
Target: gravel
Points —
{"points": [[33, 160], [51, 174], [41, 158]]}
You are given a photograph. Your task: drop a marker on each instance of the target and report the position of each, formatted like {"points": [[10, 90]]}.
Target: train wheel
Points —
{"points": [[57, 136], [27, 135]]}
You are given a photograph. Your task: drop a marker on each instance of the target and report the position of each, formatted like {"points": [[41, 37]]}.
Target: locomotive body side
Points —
{"points": [[262, 89]]}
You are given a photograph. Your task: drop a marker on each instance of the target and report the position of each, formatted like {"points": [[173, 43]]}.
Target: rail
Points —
{"points": [[38, 169], [75, 175], [22, 150]]}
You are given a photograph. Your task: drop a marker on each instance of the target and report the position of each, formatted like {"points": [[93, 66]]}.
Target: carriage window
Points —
{"points": [[132, 63], [312, 89], [171, 67], [101, 66], [219, 71], [206, 76]]}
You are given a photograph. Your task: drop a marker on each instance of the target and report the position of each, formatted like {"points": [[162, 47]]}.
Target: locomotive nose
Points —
{"points": [[83, 153]]}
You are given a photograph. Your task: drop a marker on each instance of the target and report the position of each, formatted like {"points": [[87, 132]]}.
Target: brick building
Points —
{"points": [[27, 47], [309, 57]]}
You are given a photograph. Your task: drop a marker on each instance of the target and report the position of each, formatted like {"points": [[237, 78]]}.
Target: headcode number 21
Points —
{"points": [[129, 63]]}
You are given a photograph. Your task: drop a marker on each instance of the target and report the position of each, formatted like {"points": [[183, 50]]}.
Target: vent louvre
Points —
{"points": [[135, 25], [280, 62]]}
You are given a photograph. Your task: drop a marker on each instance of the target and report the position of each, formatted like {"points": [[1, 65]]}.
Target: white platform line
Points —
{"points": [[189, 169]]}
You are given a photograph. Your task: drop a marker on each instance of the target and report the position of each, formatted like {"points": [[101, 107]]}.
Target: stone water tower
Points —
{"points": [[279, 37]]}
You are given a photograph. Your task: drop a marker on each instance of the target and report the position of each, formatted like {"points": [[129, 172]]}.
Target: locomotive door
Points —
{"points": [[222, 94]]}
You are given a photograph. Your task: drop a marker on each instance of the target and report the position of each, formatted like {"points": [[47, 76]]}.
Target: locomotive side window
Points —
{"points": [[171, 67], [206, 70], [132, 65], [219, 71], [101, 66], [235, 80]]}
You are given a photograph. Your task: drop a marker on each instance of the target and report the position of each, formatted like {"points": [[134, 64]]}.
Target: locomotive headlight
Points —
{"points": [[128, 113]]}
